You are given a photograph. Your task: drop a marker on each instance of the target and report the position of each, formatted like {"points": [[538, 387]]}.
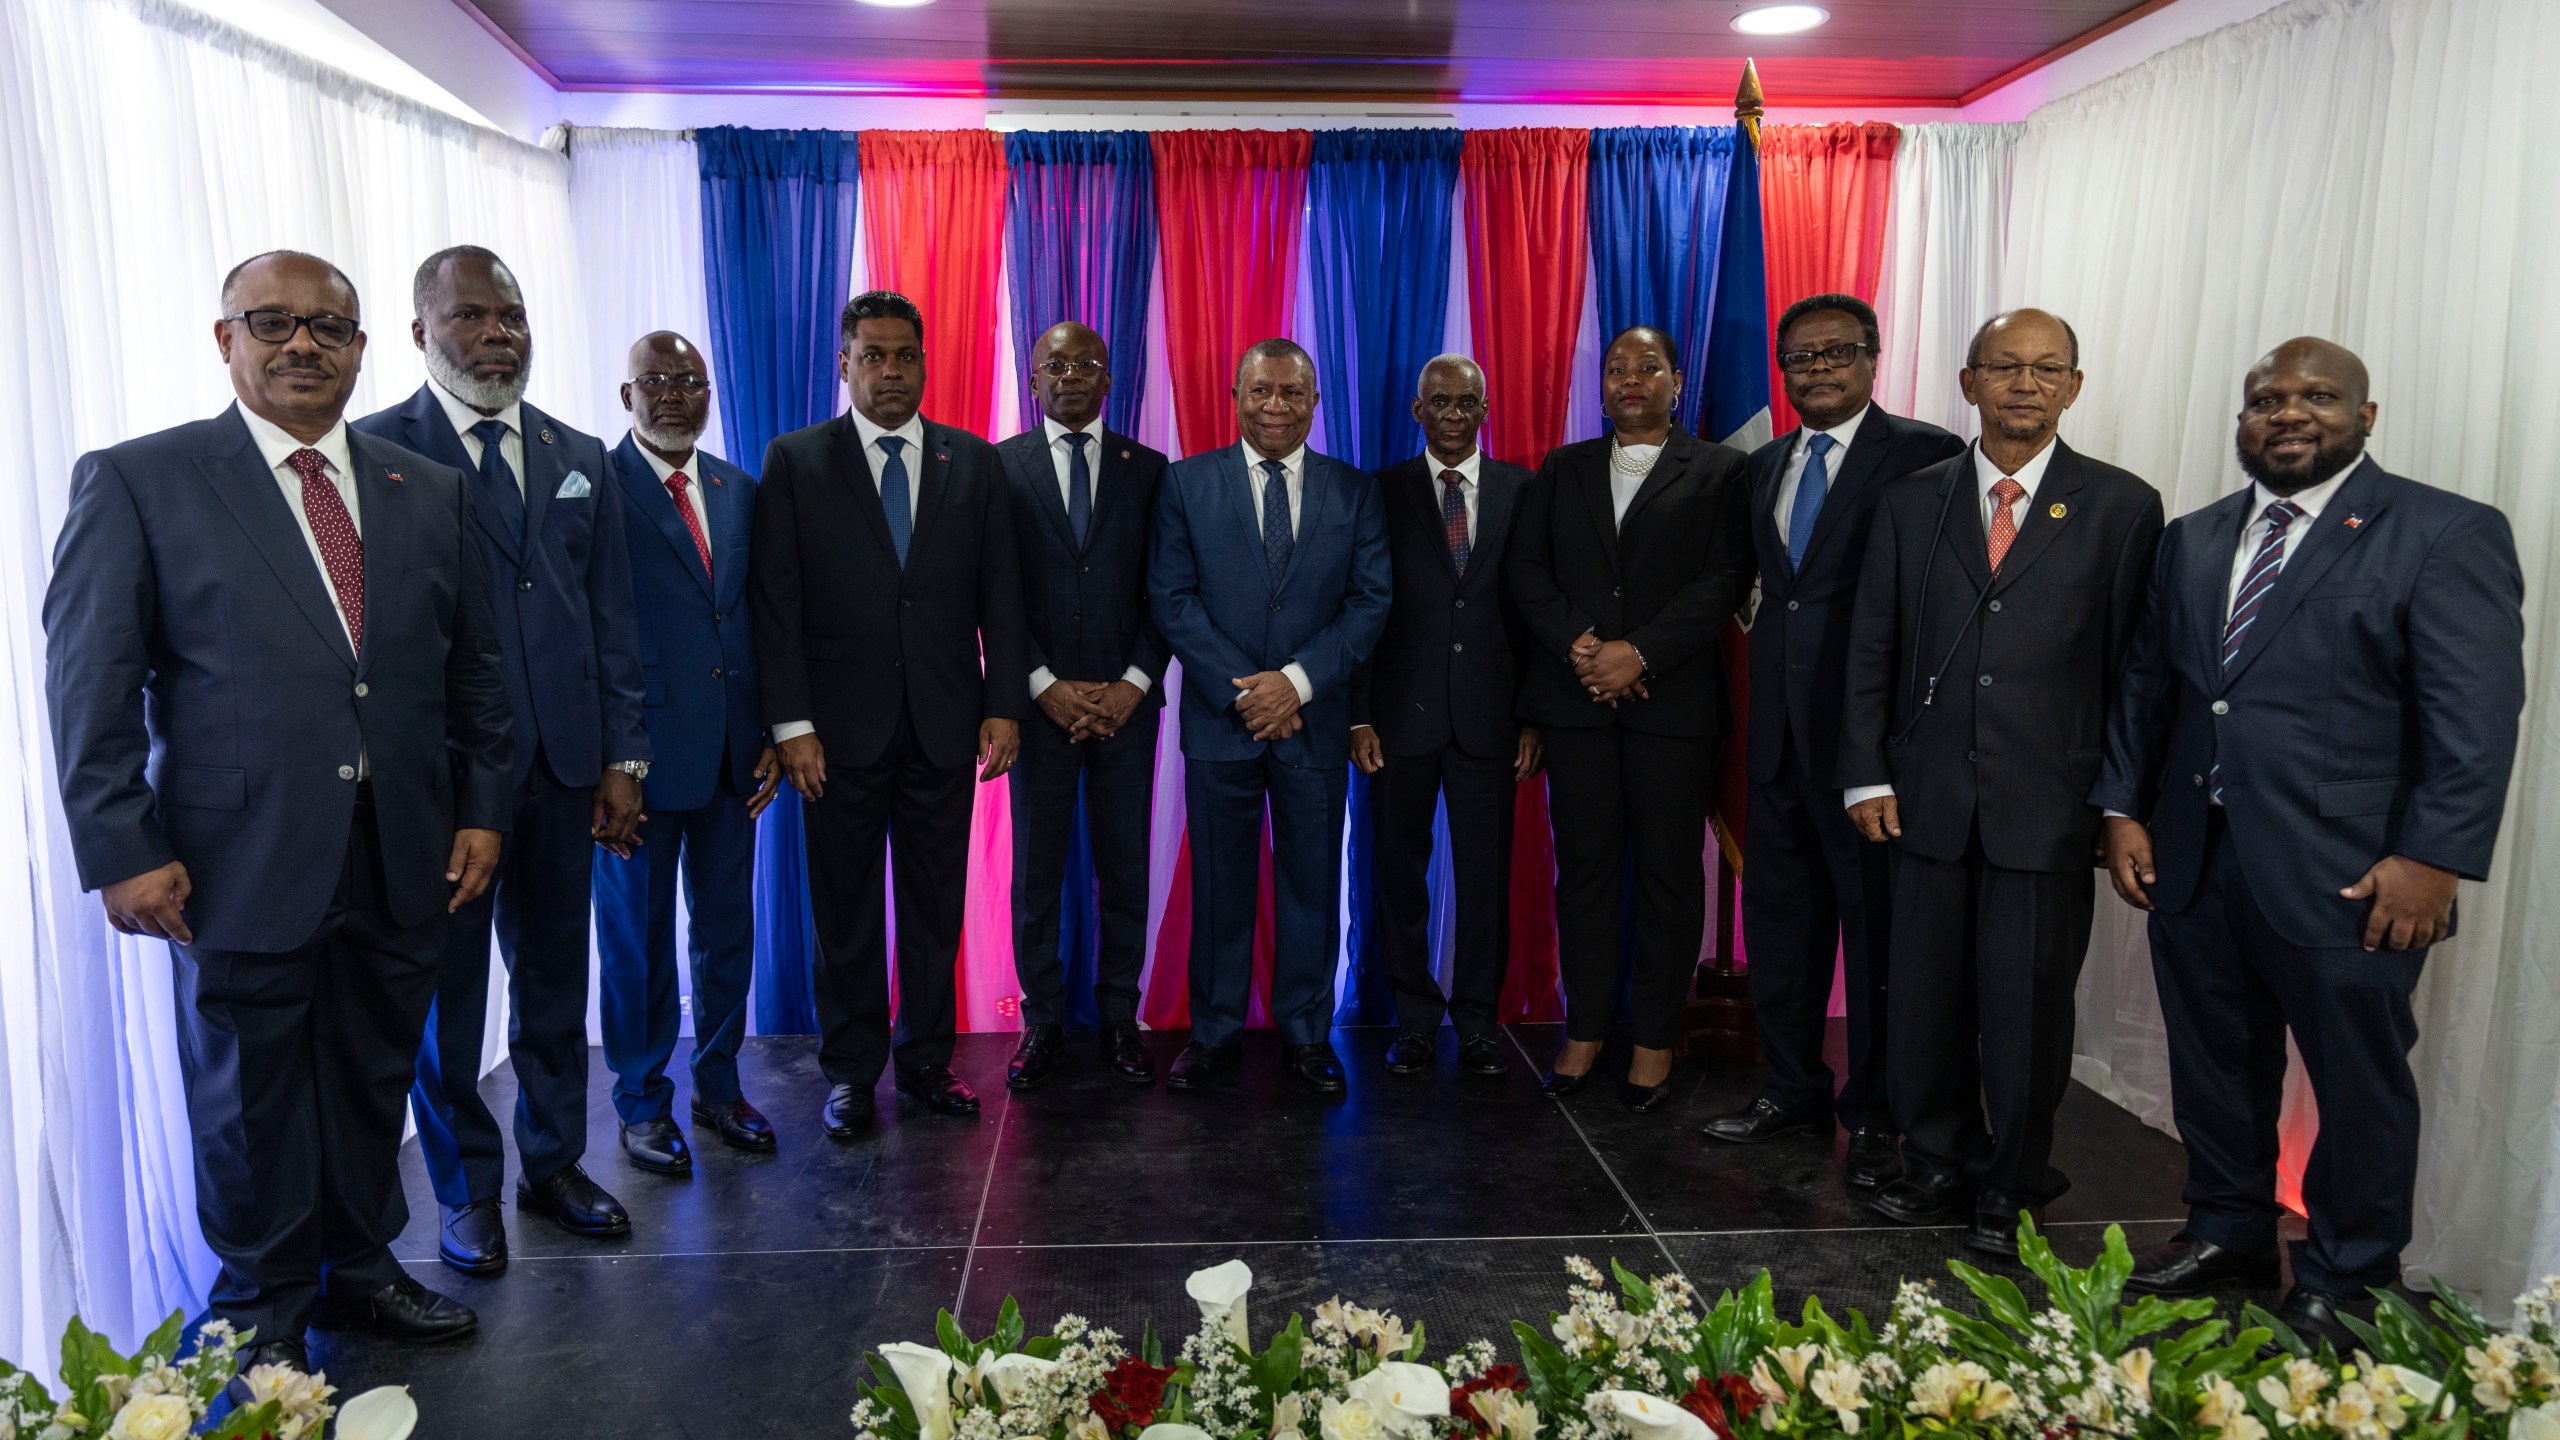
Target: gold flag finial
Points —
{"points": [[1746, 101]]}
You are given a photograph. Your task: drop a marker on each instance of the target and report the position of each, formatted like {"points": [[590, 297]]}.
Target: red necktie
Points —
{"points": [[2004, 526], [341, 549], [692, 523]]}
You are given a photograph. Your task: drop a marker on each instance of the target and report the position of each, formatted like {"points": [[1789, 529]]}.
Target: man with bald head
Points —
{"points": [[283, 745], [1431, 717], [687, 515], [1998, 592], [1084, 504], [2310, 750]]}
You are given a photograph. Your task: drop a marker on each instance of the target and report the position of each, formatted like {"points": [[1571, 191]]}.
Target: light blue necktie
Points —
{"points": [[1276, 540], [1810, 489], [893, 496]]}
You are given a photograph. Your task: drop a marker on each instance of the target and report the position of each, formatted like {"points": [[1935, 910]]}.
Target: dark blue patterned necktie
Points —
{"points": [[498, 488], [893, 496], [1079, 487], [1811, 487], [1276, 540]]}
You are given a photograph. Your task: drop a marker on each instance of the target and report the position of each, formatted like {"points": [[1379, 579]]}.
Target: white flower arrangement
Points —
{"points": [[152, 1394]]}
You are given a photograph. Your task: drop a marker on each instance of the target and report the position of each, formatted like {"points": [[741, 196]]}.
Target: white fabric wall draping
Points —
{"points": [[635, 207], [1943, 236], [144, 149], [2364, 170]]}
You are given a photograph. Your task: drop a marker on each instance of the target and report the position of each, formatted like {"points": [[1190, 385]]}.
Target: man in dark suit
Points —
{"points": [[551, 531], [1269, 579], [1999, 591], [282, 741], [1813, 890], [1084, 500], [1431, 716], [1631, 554], [2316, 727], [883, 568], [687, 515]]}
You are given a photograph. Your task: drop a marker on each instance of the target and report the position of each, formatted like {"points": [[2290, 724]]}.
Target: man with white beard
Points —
{"points": [[549, 513], [688, 515]]}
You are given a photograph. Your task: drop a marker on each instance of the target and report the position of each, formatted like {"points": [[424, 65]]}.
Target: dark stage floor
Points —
{"points": [[746, 1293]]}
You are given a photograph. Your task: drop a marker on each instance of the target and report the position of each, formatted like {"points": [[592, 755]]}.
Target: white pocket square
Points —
{"points": [[575, 487]]}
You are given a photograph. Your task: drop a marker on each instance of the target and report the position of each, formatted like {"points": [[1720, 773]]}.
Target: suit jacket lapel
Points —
{"points": [[1766, 481], [2328, 539], [1036, 469], [2210, 540], [932, 476], [640, 485], [239, 475], [853, 467], [730, 539], [1110, 483], [543, 471], [1667, 469], [1597, 500], [1962, 531], [1315, 496], [382, 509], [1864, 460], [2062, 480], [1238, 485], [1422, 491], [1493, 522]]}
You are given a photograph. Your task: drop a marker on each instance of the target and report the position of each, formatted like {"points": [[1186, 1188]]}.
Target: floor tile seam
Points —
{"points": [[1597, 1159], [431, 1263], [995, 1154], [1810, 1230]]}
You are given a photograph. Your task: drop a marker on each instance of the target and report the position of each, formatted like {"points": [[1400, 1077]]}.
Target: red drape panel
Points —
{"points": [[1228, 204], [1527, 239], [1823, 190], [933, 227]]}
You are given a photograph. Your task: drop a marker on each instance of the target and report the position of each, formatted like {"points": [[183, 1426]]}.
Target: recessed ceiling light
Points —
{"points": [[1774, 19]]}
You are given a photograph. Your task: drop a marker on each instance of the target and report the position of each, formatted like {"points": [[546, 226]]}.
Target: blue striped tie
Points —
{"points": [[2251, 597]]}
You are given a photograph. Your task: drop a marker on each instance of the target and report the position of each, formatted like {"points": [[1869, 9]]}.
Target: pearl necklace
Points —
{"points": [[1633, 461]]}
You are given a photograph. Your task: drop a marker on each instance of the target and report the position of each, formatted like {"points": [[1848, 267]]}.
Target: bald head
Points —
{"points": [[2024, 327], [2303, 414], [2311, 355], [1071, 373], [668, 394]]}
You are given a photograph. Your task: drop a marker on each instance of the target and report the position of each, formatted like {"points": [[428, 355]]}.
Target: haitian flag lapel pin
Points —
{"points": [[394, 477], [2355, 522]]}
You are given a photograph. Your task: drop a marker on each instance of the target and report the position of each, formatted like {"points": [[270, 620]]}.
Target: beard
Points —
{"points": [[2325, 461], [487, 396], [674, 441]]}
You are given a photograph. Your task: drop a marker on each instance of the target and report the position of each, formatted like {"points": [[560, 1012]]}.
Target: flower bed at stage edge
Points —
{"points": [[1644, 1361], [153, 1395]]}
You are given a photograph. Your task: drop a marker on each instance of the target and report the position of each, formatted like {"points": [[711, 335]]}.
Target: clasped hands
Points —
{"points": [[1090, 709], [1610, 670], [2412, 900], [1268, 705]]}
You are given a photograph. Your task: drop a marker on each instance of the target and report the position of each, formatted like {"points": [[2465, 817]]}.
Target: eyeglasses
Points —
{"points": [[1832, 357], [1061, 369], [1462, 404], [275, 327], [691, 384], [2048, 376]]}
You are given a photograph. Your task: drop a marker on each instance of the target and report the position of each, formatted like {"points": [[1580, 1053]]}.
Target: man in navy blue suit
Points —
{"points": [[1084, 499], [1270, 579], [283, 748], [2310, 750], [710, 776], [550, 522]]}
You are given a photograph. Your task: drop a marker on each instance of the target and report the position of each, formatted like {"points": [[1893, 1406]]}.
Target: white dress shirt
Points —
{"points": [[1842, 436], [693, 484], [273, 446], [1623, 486], [1293, 473], [464, 417], [911, 455], [1985, 476], [1469, 470], [1061, 456]]}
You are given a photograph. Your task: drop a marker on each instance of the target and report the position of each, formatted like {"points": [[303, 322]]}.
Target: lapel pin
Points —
{"points": [[546, 434], [1124, 454], [2059, 510], [2355, 522], [394, 477], [941, 458], [716, 480]]}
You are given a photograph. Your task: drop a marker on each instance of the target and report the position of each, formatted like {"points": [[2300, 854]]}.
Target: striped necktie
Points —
{"points": [[2250, 598]]}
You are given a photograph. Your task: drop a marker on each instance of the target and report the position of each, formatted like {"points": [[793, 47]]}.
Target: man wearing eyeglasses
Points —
{"points": [[1815, 896], [687, 513], [283, 747], [550, 523], [1999, 591], [1084, 500], [1431, 717]]}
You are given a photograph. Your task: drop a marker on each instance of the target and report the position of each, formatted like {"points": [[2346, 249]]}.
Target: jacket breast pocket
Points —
{"points": [[205, 787], [2381, 796]]}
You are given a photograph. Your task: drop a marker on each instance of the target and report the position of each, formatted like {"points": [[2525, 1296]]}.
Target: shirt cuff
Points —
{"points": [[792, 730], [1138, 677], [1298, 676], [1041, 679], [2114, 815], [1860, 795]]}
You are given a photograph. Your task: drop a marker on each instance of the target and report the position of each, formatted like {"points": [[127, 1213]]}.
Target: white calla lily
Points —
{"points": [[2416, 1384], [1014, 1374], [924, 1372], [1173, 1432], [1405, 1395], [2535, 1422], [1650, 1417], [1219, 1291], [386, 1413]]}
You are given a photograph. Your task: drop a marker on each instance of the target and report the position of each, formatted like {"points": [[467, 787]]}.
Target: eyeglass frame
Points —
{"points": [[653, 380], [2047, 377], [1061, 369], [355, 328], [1825, 354]]}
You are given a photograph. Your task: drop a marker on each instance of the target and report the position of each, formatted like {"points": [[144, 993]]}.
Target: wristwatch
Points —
{"points": [[636, 769]]}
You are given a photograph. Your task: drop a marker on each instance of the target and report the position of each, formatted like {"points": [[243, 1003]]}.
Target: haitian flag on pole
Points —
{"points": [[1735, 410]]}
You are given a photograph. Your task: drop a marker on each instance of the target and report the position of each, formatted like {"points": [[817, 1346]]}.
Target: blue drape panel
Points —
{"points": [[777, 259], [1657, 226], [1080, 216], [1378, 257]]}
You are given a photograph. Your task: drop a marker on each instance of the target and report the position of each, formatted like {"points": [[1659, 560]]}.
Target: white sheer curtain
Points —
{"points": [[2363, 170], [635, 202], [144, 149], [1943, 239]]}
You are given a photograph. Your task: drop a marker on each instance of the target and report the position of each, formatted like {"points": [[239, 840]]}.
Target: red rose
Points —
{"points": [[1500, 1377], [1130, 1394]]}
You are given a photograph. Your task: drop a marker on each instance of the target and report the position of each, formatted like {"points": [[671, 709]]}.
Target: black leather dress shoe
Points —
{"points": [[291, 1354], [848, 1112], [939, 1089], [401, 1310], [474, 1239], [1875, 1156], [1410, 1052], [1922, 1199], [1124, 1049], [1644, 1099], [1314, 1067], [2314, 1315], [1557, 1084], [741, 1126], [658, 1147], [1035, 1057], [577, 1204], [1192, 1068], [1994, 1230], [2187, 1266], [1762, 1120], [1483, 1054]]}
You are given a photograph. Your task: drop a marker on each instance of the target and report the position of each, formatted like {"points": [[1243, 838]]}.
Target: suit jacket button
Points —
{"points": [[346, 772], [717, 617], [906, 604], [1084, 570], [524, 584], [1459, 648], [2221, 707], [716, 672], [1275, 607], [1617, 592], [1986, 680], [1791, 605], [1973, 755], [1994, 607], [1462, 604], [362, 690], [2197, 778]]}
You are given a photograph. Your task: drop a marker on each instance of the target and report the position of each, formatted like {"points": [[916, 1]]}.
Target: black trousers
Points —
{"points": [[1224, 802], [538, 907], [2230, 987], [1404, 797], [1612, 792], [296, 1067], [1815, 891], [1978, 1041], [1118, 777], [901, 811]]}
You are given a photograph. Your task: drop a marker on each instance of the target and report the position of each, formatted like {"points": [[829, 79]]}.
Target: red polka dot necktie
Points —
{"points": [[676, 483], [2004, 524], [341, 549]]}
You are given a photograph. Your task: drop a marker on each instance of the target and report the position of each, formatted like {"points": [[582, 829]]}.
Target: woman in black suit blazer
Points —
{"points": [[1631, 553]]}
